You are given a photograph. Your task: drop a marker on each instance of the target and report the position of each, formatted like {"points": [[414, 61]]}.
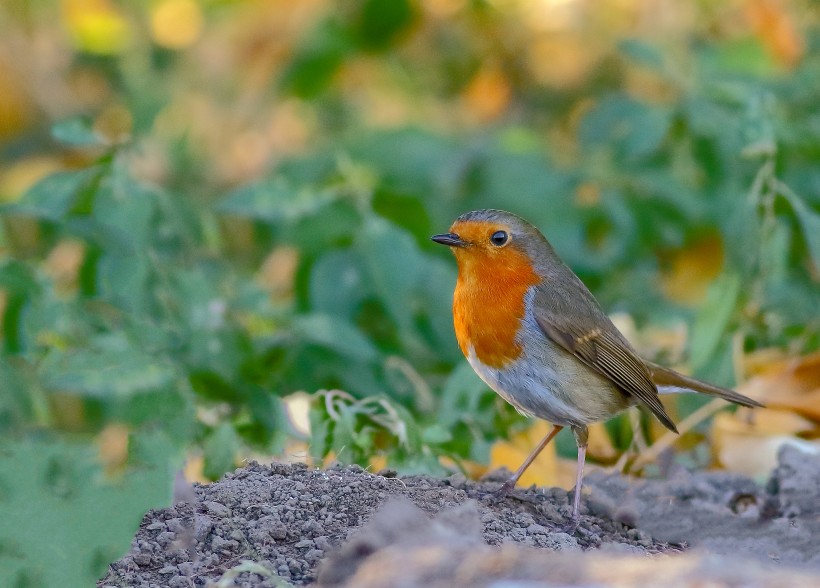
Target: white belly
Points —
{"points": [[537, 386], [531, 394]]}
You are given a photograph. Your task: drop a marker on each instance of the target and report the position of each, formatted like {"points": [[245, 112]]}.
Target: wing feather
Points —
{"points": [[610, 356]]}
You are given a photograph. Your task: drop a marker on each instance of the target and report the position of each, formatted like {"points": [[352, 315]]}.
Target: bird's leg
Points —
{"points": [[507, 487], [581, 437]]}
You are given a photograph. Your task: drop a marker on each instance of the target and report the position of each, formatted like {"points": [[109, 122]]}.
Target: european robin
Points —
{"points": [[536, 335]]}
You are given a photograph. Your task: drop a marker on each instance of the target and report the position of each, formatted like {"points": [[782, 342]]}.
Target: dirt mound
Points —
{"points": [[446, 553], [722, 513], [265, 524]]}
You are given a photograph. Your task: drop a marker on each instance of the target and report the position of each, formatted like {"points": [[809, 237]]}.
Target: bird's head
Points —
{"points": [[494, 241]]}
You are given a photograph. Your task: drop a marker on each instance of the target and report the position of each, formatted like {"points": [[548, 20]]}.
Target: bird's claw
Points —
{"points": [[505, 488], [572, 525]]}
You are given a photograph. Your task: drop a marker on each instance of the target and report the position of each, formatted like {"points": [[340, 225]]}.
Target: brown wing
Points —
{"points": [[607, 353]]}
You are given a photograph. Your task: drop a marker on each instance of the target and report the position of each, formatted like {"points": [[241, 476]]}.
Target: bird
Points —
{"points": [[536, 335]]}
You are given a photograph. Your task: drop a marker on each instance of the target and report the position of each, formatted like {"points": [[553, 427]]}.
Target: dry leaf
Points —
{"points": [[63, 265], [193, 469], [488, 94], [561, 60], [790, 384], [377, 463], [112, 444], [17, 110], [511, 454], [691, 270], [472, 470], [276, 275], [775, 27], [18, 177], [297, 406], [566, 469], [750, 446], [68, 411], [176, 24], [600, 445], [790, 388]]}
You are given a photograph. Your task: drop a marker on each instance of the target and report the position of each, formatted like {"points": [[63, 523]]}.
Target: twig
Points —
{"points": [[686, 425], [636, 447], [330, 396], [426, 400]]}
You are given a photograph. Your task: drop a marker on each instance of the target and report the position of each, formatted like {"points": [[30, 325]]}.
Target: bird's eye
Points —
{"points": [[499, 238]]}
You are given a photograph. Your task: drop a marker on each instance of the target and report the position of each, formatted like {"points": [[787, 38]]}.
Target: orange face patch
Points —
{"points": [[488, 304]]}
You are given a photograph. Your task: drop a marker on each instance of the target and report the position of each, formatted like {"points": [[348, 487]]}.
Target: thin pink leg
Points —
{"points": [[579, 480], [510, 484]]}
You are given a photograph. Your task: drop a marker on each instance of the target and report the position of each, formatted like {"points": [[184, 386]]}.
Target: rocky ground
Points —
{"points": [[281, 525]]}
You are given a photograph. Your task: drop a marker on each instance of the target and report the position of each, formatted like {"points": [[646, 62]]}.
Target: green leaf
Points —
{"points": [[440, 281], [214, 343], [415, 162], [810, 224], [63, 521], [21, 403], [321, 428], [713, 319], [336, 334], [739, 222], [436, 435], [642, 53], [212, 386], [18, 278], [379, 22], [461, 395], [19, 283], [338, 284], [122, 225], [406, 210], [334, 224], [124, 280], [111, 369], [76, 132], [127, 210], [220, 449], [271, 424], [54, 196], [317, 60], [394, 265], [631, 129], [759, 131], [275, 201], [744, 55]]}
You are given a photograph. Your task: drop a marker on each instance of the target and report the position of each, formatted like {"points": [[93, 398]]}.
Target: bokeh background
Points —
{"points": [[216, 218]]}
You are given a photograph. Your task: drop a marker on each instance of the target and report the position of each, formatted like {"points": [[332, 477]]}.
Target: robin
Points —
{"points": [[536, 335]]}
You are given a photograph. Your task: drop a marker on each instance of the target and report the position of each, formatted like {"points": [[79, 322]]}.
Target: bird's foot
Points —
{"points": [[505, 488], [572, 525]]}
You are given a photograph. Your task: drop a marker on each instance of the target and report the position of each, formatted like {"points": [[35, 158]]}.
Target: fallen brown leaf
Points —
{"points": [[788, 384], [749, 446]]}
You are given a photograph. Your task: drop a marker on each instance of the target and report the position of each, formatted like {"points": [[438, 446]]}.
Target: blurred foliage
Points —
{"points": [[209, 206], [88, 524]]}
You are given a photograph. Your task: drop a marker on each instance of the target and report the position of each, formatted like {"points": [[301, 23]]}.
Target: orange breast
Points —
{"points": [[488, 304]]}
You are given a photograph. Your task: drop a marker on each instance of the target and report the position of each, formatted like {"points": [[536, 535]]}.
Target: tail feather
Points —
{"points": [[664, 377]]}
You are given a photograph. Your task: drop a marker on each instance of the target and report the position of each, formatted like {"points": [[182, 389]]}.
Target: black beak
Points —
{"points": [[449, 239]]}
